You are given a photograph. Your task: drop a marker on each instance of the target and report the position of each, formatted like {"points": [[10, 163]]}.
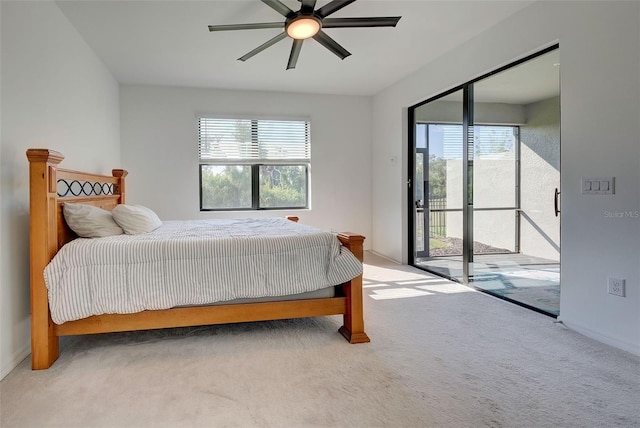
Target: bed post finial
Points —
{"points": [[43, 240]]}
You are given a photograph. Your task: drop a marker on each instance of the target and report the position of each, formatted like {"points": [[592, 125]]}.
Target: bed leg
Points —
{"points": [[353, 327], [44, 344]]}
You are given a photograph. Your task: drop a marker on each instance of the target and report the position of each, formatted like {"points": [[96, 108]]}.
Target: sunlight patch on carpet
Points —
{"points": [[397, 293], [445, 288]]}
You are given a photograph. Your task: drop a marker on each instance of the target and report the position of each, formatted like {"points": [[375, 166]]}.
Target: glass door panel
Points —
{"points": [[437, 186], [516, 164]]}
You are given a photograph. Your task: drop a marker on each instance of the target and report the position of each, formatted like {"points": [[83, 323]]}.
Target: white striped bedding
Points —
{"points": [[194, 263]]}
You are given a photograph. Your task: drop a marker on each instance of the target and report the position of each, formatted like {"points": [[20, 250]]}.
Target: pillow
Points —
{"points": [[135, 219], [88, 221]]}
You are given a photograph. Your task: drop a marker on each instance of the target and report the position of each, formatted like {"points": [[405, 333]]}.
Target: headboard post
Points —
{"points": [[43, 240], [120, 174]]}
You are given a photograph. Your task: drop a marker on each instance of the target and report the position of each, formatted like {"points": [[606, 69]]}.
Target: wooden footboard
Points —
{"points": [[51, 187]]}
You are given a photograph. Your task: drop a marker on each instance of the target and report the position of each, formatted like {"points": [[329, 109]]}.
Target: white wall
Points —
{"points": [[160, 151], [600, 81], [55, 94]]}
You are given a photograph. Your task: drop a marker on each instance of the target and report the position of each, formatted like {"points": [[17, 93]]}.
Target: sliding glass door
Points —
{"points": [[485, 165]]}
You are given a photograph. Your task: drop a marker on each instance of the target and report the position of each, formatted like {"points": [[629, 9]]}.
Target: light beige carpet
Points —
{"points": [[441, 356]]}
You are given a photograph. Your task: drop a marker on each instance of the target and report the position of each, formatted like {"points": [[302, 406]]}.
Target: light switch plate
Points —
{"points": [[598, 185]]}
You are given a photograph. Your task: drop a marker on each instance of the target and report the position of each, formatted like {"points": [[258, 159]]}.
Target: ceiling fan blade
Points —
{"points": [[246, 26], [331, 44], [263, 46], [279, 7], [387, 21], [295, 52], [332, 7], [308, 6]]}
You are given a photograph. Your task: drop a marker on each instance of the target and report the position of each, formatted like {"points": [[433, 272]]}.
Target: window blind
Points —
{"points": [[489, 142], [495, 142], [253, 140]]}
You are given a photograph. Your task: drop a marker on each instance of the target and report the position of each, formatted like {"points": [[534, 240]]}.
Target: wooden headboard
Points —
{"points": [[52, 187]]}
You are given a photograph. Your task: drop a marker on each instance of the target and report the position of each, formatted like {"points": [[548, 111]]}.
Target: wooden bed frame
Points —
{"points": [[49, 232]]}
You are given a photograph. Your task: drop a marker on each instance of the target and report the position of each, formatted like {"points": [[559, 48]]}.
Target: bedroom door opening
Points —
{"points": [[485, 160]]}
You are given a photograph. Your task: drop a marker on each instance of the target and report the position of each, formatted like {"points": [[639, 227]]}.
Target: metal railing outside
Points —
{"points": [[437, 217]]}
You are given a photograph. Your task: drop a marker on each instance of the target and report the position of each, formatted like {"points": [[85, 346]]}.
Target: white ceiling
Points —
{"points": [[534, 80], [168, 42]]}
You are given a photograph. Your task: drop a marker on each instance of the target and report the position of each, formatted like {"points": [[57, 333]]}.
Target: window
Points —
{"points": [[253, 164]]}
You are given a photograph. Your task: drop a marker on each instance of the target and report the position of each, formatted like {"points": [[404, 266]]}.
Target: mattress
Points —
{"points": [[199, 262]]}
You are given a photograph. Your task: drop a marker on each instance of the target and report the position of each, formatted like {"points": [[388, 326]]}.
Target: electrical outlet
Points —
{"points": [[615, 286]]}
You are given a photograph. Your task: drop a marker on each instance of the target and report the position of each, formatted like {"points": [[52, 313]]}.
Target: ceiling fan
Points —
{"points": [[306, 23]]}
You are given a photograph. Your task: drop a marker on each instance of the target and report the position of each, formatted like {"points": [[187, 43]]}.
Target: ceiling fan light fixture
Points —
{"points": [[305, 23], [303, 27]]}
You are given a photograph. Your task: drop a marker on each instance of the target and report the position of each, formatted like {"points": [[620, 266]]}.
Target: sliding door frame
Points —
{"points": [[467, 181]]}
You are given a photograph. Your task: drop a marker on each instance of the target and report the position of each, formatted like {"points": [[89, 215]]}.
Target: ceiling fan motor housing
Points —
{"points": [[302, 25]]}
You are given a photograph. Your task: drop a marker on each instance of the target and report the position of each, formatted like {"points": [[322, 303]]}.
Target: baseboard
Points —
{"points": [[633, 348], [8, 366], [382, 256]]}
